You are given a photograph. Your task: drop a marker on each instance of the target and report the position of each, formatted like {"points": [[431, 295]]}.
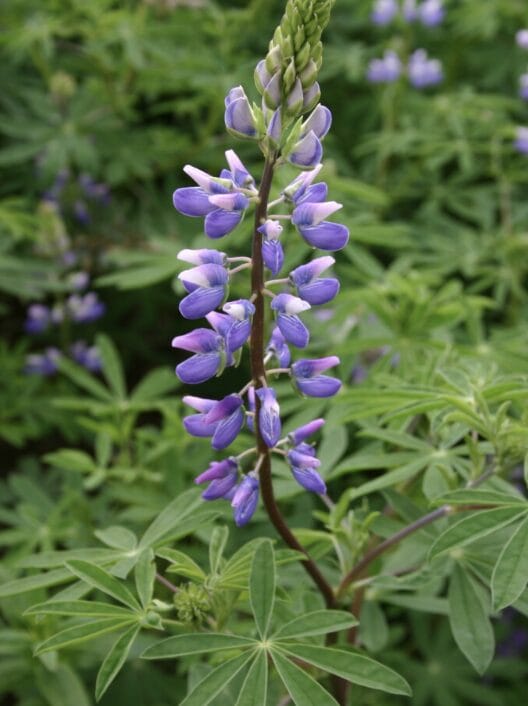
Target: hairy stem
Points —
{"points": [[258, 374]]}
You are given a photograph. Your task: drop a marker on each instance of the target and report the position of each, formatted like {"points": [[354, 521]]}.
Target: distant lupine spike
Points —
{"points": [[245, 500], [431, 12], [523, 86], [269, 416], [423, 71], [384, 12], [45, 364], [385, 70], [222, 477], [522, 39], [287, 308], [85, 308], [81, 212], [87, 356], [207, 286], [521, 140], [409, 10], [38, 319], [78, 280], [312, 288], [309, 381]]}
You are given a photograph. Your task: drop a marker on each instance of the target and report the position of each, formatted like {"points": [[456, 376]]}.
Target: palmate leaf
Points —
{"points": [[475, 526], [30, 583], [510, 574], [81, 608], [196, 643], [181, 564], [112, 367], [82, 633], [319, 622], [144, 575], [216, 681], [254, 690], [262, 586], [303, 690], [114, 660], [353, 667], [102, 580], [469, 621], [478, 496]]}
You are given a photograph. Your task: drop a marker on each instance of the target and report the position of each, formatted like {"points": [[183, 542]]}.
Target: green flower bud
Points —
{"points": [[192, 603]]}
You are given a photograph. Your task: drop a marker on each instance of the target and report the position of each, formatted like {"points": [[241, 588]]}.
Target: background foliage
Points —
{"points": [[430, 327]]}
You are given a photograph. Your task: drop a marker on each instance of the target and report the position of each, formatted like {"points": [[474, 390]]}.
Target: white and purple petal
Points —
{"points": [[318, 386], [192, 201], [269, 416], [325, 236], [273, 255], [219, 222], [245, 500], [228, 429], [201, 340], [313, 213], [307, 152], [319, 121], [293, 330], [199, 368], [239, 118], [320, 291]]}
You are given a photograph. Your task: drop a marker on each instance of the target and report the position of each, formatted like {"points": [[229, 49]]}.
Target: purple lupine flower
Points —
{"points": [[234, 330], [274, 127], [298, 435], [272, 252], [207, 286], [269, 416], [292, 328], [424, 72], [383, 12], [294, 99], [523, 86], [298, 186], [311, 97], [312, 288], [58, 314], [195, 424], [78, 280], [522, 38], [409, 10], [521, 140], [85, 308], [209, 349], [307, 152], [307, 378], [252, 407], [245, 500], [385, 70], [308, 219], [203, 256], [278, 346], [45, 364], [318, 122], [38, 319], [87, 356], [239, 172], [227, 215], [81, 212], [303, 464], [222, 477], [272, 94], [239, 118], [228, 417], [431, 12]]}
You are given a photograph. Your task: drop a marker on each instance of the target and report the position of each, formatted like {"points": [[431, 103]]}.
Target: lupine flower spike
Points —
{"points": [[289, 125]]}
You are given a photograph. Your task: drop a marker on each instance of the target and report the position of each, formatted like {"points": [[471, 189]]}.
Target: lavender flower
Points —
{"points": [[385, 70], [384, 11], [38, 319], [272, 252], [424, 72], [302, 433], [431, 12], [309, 220], [523, 86], [85, 308], [45, 364], [409, 10], [222, 477], [269, 417], [87, 356], [303, 464], [279, 348], [209, 358], [239, 118], [245, 500], [292, 328], [521, 140], [312, 288], [522, 39], [207, 286], [310, 382]]}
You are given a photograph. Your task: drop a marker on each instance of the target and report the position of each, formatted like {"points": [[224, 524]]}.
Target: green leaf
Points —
{"points": [[112, 368], [304, 690], [216, 681], [81, 633], [510, 574], [217, 545], [262, 586], [118, 538], [114, 660], [475, 526], [84, 608], [469, 621], [181, 563], [70, 460], [319, 622], [195, 643], [144, 574], [254, 691], [84, 379], [30, 583], [352, 666], [479, 497], [155, 385], [177, 512], [102, 580]]}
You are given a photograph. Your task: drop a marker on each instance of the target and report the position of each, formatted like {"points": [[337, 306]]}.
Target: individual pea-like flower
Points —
{"points": [[195, 424], [300, 434], [298, 187], [431, 12], [227, 416], [303, 464], [423, 71], [311, 97], [307, 152], [308, 218], [309, 381], [239, 117], [245, 500], [38, 319], [202, 256], [279, 348], [85, 308], [78, 280], [272, 252], [312, 288], [521, 140], [385, 70], [208, 359], [383, 12], [292, 328], [319, 122], [522, 39], [45, 364], [234, 331], [409, 10], [222, 477], [523, 86], [269, 416], [87, 356], [207, 286], [241, 312]]}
